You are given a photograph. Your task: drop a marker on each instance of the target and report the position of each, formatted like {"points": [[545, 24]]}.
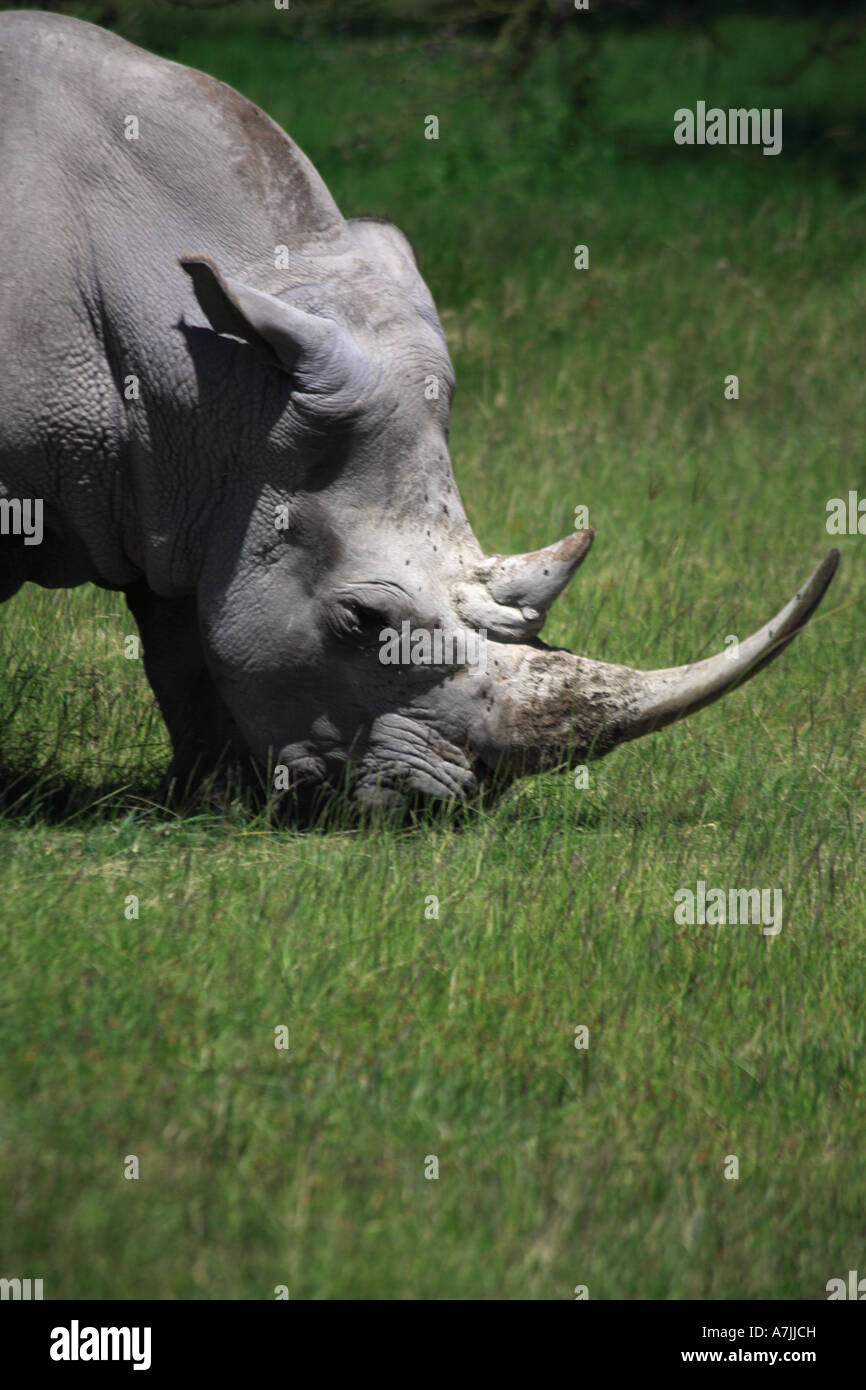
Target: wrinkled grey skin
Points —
{"points": [[261, 643]]}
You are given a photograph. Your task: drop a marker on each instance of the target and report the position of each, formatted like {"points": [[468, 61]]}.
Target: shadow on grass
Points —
{"points": [[30, 795]]}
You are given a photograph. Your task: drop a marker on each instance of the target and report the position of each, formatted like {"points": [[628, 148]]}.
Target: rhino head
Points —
{"points": [[350, 534]]}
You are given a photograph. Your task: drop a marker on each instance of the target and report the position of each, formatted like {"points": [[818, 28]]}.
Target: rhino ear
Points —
{"points": [[282, 334], [388, 245]]}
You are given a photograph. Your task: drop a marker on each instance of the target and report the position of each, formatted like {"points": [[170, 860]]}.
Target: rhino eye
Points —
{"points": [[353, 621]]}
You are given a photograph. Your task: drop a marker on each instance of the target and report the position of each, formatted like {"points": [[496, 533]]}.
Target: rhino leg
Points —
{"points": [[206, 745]]}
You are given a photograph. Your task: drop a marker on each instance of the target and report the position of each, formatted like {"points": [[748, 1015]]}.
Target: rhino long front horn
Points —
{"points": [[666, 695], [556, 707]]}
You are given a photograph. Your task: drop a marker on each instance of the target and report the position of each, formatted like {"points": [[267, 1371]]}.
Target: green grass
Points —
{"points": [[455, 1037]]}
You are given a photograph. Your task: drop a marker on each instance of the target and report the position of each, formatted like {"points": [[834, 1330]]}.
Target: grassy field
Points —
{"points": [[455, 1037]]}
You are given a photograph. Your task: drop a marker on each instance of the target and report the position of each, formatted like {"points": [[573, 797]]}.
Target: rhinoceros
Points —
{"points": [[216, 392]]}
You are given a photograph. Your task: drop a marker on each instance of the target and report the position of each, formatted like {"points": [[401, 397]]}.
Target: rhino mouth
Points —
{"points": [[396, 763], [406, 758]]}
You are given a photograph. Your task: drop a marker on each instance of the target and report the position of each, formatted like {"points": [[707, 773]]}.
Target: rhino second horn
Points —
{"points": [[534, 580], [511, 594], [478, 610]]}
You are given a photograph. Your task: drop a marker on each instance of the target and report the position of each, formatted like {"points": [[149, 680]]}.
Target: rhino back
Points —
{"points": [[92, 224], [206, 159]]}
